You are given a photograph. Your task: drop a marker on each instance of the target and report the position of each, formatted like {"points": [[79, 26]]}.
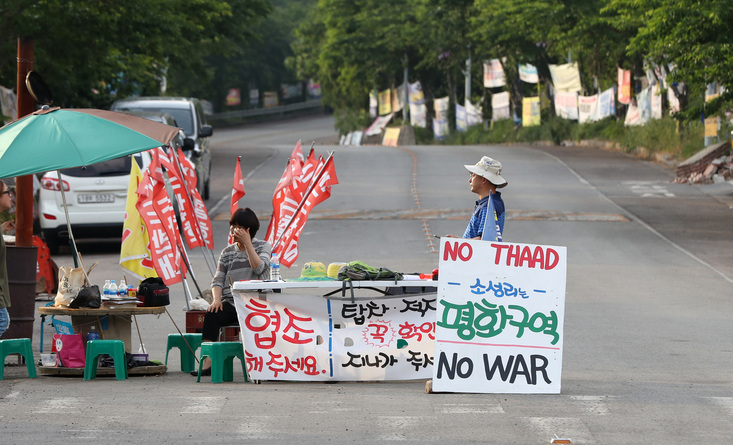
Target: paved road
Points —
{"points": [[647, 355]]}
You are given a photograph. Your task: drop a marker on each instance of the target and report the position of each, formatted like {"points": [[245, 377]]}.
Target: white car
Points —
{"points": [[95, 198]]}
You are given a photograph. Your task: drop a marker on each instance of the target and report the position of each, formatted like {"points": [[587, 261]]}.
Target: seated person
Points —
{"points": [[247, 259]]}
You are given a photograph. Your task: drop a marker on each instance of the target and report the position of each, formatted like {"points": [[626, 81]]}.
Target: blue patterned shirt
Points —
{"points": [[476, 224]]}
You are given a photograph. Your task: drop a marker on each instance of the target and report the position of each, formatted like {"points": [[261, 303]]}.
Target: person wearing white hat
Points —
{"points": [[485, 179]]}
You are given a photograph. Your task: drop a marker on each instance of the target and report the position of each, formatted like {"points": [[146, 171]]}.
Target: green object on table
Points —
{"points": [[20, 346], [222, 356], [115, 348], [188, 358]]}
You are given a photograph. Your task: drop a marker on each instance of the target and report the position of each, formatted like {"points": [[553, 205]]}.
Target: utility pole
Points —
{"points": [[467, 73]]}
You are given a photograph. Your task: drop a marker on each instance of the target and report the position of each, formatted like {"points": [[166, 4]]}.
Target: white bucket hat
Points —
{"points": [[490, 169]]}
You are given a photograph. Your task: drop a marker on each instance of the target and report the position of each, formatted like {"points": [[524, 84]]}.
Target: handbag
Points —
{"points": [[88, 296], [153, 292], [70, 350]]}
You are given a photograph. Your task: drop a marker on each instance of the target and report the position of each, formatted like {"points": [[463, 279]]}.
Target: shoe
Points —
{"points": [[204, 372]]}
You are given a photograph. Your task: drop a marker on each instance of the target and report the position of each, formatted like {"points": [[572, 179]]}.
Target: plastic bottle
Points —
{"points": [[93, 334], [113, 289], [105, 289], [275, 268], [122, 289]]}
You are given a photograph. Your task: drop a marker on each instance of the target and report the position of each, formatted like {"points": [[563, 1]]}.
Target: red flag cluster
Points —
{"points": [[304, 184], [156, 210]]}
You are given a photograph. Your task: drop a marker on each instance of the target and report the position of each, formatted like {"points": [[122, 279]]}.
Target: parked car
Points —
{"points": [[95, 195], [190, 117]]}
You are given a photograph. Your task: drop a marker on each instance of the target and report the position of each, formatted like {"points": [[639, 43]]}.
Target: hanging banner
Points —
{"points": [[633, 116], [530, 111], [188, 174], [655, 102], [419, 115], [234, 97], [500, 316], [565, 77], [474, 115], [674, 102], [587, 108], [624, 86], [494, 74], [440, 129], [500, 106], [711, 127], [373, 104], [398, 98], [606, 104], [528, 73], [461, 120], [385, 102], [310, 338], [416, 94], [441, 108], [643, 101], [566, 105]]}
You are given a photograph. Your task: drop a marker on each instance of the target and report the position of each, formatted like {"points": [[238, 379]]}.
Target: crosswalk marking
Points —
{"points": [[649, 189], [569, 427], [724, 402], [471, 409]]}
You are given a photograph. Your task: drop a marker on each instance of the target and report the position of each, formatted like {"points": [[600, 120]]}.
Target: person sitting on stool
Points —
{"points": [[247, 259]]}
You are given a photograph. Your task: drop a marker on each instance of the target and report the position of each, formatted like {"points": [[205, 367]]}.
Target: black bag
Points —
{"points": [[88, 296], [153, 292]]}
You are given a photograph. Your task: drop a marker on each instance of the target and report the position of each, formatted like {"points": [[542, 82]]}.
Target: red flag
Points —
{"points": [[237, 188], [283, 201], [237, 194], [191, 229], [188, 171], [157, 212], [287, 249]]}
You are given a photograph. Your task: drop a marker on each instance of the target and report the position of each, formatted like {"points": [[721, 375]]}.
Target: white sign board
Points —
{"points": [[500, 314], [311, 338]]}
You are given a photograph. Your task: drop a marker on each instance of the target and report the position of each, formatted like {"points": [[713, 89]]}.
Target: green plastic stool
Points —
{"points": [[115, 348], [188, 359], [222, 360], [20, 346]]}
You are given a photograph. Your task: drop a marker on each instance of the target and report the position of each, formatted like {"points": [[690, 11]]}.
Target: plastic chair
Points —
{"points": [[115, 348], [20, 346], [222, 356], [188, 358]]}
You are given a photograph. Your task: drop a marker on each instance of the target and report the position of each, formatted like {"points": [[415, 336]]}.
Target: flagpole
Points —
{"points": [[305, 197], [198, 225]]}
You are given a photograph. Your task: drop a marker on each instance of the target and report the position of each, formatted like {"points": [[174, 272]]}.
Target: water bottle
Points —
{"points": [[275, 268], [93, 334], [122, 289], [105, 289], [113, 289]]}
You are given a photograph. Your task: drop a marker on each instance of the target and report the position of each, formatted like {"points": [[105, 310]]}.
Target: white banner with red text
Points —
{"points": [[312, 338]]}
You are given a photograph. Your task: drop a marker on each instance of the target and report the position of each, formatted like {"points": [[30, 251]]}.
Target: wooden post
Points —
{"points": [[24, 184]]}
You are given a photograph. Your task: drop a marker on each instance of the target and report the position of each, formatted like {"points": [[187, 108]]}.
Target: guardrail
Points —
{"points": [[257, 112]]}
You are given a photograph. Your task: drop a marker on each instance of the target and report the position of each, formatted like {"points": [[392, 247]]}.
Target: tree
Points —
{"points": [[91, 51], [691, 39]]}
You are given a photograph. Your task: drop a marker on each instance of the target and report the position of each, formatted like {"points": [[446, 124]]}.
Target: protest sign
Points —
{"points": [[500, 313], [311, 338]]}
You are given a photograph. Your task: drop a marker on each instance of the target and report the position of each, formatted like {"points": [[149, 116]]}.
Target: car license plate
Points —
{"points": [[96, 197]]}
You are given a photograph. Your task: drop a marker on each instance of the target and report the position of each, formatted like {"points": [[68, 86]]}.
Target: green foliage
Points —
{"points": [[91, 51], [351, 120]]}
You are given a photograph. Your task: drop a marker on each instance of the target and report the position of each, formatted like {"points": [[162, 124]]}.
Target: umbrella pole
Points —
{"points": [[72, 242]]}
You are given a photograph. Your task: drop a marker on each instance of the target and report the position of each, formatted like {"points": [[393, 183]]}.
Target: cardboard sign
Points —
{"points": [[500, 313], [311, 338]]}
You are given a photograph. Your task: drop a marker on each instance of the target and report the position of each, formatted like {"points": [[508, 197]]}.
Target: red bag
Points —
{"points": [[70, 350]]}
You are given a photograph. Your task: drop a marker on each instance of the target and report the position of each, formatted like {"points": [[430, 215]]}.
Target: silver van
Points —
{"points": [[190, 117]]}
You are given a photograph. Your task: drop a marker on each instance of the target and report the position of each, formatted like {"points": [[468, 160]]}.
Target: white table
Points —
{"points": [[335, 286]]}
